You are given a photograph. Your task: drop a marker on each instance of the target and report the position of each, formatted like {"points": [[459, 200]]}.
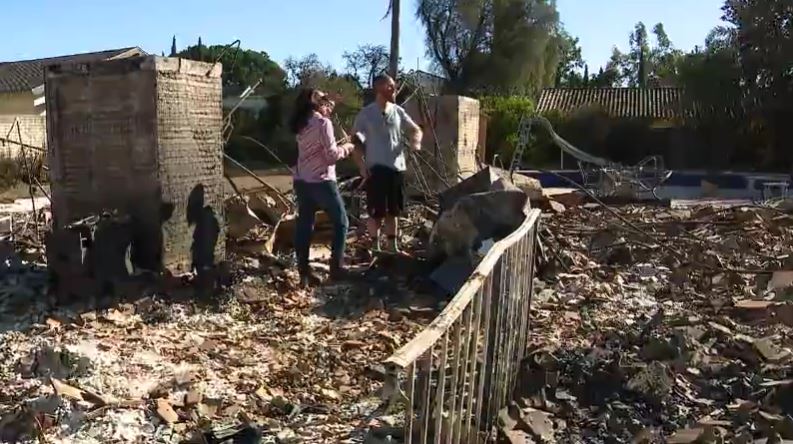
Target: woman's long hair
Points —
{"points": [[305, 105]]}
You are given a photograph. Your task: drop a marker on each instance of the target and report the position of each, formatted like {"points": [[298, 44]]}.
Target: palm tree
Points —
{"points": [[393, 65]]}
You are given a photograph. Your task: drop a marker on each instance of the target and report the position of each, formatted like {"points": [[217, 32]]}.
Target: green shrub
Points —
{"points": [[10, 172], [504, 113], [13, 171]]}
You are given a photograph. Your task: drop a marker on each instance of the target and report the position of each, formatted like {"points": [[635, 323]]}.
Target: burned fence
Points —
{"points": [[450, 381]]}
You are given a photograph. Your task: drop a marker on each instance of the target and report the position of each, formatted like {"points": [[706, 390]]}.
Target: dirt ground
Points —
{"points": [[19, 191], [281, 179]]}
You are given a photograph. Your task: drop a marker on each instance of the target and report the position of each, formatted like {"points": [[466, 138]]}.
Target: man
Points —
{"points": [[388, 130]]}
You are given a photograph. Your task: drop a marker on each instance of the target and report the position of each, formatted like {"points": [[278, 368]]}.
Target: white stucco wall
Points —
{"points": [[17, 103]]}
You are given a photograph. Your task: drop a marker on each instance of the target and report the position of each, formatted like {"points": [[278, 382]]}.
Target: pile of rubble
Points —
{"points": [[264, 360], [654, 325]]}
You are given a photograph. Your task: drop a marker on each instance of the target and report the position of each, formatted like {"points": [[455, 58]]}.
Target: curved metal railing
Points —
{"points": [[448, 384]]}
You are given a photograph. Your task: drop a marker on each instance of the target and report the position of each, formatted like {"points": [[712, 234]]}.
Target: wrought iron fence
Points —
{"points": [[448, 384]]}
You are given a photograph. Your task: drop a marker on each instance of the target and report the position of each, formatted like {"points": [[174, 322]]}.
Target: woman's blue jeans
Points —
{"points": [[313, 196]]}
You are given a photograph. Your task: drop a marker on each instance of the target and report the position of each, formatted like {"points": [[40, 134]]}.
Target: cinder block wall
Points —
{"points": [[141, 136], [32, 128], [451, 138]]}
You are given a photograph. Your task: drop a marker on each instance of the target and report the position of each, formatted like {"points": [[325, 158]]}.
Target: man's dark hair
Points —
{"points": [[380, 78]]}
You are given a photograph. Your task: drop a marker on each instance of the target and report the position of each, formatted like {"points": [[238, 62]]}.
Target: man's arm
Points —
{"points": [[410, 130]]}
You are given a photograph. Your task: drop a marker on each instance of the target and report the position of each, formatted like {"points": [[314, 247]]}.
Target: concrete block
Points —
{"points": [[141, 137], [475, 218], [451, 139]]}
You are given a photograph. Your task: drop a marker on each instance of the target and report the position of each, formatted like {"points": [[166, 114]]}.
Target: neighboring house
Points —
{"points": [[21, 82], [431, 84], [629, 123], [663, 107], [22, 96]]}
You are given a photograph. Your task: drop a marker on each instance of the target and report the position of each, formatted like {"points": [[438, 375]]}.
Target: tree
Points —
{"points": [[455, 37], [721, 38], [570, 62], [393, 64], [241, 67], [764, 39], [640, 43], [609, 76], [644, 65], [633, 64], [306, 71], [310, 72], [711, 80], [586, 76], [173, 47], [366, 62], [500, 45], [526, 45], [665, 60]]}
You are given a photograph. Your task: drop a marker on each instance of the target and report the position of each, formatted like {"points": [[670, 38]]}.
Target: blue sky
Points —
{"points": [[42, 28]]}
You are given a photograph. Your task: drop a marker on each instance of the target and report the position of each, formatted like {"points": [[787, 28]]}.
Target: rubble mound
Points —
{"points": [[655, 325], [264, 361]]}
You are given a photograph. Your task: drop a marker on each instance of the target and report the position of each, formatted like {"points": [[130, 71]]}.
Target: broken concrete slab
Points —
{"points": [[475, 218], [538, 424], [528, 185], [750, 308], [284, 234], [490, 179], [265, 206], [770, 351], [480, 182], [780, 280], [570, 198], [508, 418], [240, 218], [687, 436], [166, 412]]}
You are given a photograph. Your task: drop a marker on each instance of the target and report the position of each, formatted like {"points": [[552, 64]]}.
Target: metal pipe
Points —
{"points": [[24, 145], [269, 151]]}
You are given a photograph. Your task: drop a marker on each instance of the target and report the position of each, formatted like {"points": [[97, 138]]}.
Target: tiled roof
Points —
{"points": [[657, 103], [28, 74], [431, 84]]}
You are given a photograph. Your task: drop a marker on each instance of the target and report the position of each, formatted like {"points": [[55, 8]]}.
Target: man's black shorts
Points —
{"points": [[385, 194]]}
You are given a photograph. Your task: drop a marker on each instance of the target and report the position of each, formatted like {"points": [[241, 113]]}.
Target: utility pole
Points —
{"points": [[393, 65]]}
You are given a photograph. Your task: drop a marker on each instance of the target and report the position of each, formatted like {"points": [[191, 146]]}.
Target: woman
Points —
{"points": [[315, 180]]}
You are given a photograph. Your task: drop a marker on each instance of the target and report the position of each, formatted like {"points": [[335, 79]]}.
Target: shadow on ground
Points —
{"points": [[393, 283], [26, 299]]}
